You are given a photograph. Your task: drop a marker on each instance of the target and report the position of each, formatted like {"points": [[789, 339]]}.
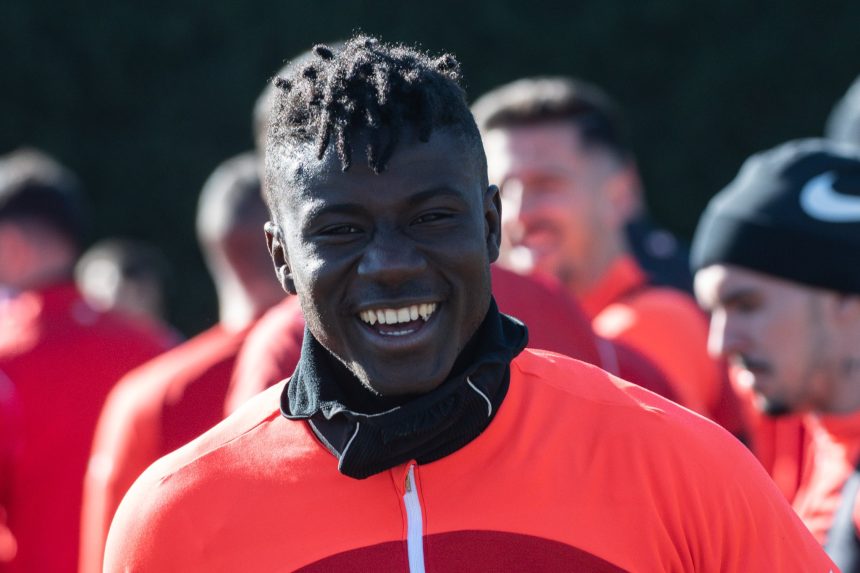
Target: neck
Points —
{"points": [[237, 308], [596, 267]]}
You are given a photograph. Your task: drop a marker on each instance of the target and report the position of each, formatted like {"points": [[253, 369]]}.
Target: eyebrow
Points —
{"points": [[736, 295], [428, 194], [315, 210]]}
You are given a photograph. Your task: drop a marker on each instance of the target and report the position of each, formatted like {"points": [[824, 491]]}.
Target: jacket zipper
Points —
{"points": [[414, 523]]}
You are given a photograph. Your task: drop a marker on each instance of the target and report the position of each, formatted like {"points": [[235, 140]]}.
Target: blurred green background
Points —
{"points": [[144, 99]]}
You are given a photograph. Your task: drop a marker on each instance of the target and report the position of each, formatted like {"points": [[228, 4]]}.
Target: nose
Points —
{"points": [[391, 257], [725, 335]]}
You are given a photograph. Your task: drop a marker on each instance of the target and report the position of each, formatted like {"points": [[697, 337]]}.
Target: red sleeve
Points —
{"points": [[670, 330], [126, 442]]}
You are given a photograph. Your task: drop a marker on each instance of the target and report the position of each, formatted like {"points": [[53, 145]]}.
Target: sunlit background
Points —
{"points": [[144, 99]]}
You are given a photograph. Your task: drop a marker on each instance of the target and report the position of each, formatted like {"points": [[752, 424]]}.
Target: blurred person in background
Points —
{"points": [[777, 259], [62, 354], [569, 186], [172, 399], [272, 350], [10, 446], [124, 275]]}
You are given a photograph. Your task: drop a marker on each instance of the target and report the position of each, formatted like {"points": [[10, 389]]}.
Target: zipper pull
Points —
{"points": [[408, 483]]}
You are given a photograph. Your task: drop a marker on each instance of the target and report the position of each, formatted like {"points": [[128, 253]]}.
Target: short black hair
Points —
{"points": [[35, 187], [533, 101], [367, 86], [261, 116]]}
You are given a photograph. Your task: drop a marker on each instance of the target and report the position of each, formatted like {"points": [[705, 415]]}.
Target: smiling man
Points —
{"points": [[569, 183], [778, 259], [416, 433]]}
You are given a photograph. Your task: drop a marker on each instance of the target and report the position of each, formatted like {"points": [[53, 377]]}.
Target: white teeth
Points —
{"points": [[399, 315], [425, 310]]}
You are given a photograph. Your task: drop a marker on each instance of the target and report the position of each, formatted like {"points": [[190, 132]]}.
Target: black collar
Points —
{"points": [[425, 428]]}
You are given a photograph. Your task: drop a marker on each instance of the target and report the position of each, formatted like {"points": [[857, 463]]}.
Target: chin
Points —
{"points": [[402, 384]]}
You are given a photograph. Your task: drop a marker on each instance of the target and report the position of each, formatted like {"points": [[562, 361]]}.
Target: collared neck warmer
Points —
{"points": [[425, 428]]}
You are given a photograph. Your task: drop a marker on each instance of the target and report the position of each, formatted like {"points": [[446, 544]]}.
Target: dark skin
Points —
{"points": [[420, 236]]}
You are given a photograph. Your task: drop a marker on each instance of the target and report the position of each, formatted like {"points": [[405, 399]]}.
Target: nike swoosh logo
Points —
{"points": [[821, 201]]}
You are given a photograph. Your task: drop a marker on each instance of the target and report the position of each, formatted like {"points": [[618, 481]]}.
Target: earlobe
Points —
{"points": [[278, 251], [493, 221]]}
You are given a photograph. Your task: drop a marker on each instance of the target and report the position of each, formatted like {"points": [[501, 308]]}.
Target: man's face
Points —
{"points": [[392, 269], [558, 207], [777, 333]]}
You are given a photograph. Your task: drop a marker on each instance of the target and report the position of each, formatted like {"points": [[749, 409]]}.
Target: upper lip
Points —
{"points": [[381, 305]]}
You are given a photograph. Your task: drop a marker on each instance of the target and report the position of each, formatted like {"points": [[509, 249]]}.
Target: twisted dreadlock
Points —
{"points": [[370, 87]]}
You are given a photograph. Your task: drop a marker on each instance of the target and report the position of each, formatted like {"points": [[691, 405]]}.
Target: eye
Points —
{"points": [[432, 217], [744, 305], [343, 229]]}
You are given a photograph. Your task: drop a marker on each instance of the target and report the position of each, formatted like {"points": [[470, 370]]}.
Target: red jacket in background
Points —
{"points": [[154, 409], [10, 438], [64, 357], [668, 328], [270, 353], [832, 455]]}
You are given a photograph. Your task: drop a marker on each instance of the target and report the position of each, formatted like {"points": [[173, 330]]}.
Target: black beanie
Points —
{"points": [[843, 124], [792, 212]]}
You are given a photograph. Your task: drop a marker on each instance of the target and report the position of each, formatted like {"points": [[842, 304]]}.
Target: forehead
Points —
{"points": [[538, 149], [532, 141], [717, 283], [448, 161]]}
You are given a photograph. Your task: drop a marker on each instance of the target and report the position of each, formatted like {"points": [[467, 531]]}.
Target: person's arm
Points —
{"points": [[125, 444]]}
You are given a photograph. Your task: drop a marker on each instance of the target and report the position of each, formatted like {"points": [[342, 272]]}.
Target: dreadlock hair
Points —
{"points": [[367, 87], [532, 101]]}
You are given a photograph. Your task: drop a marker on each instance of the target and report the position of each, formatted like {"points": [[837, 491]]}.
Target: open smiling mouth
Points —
{"points": [[398, 321]]}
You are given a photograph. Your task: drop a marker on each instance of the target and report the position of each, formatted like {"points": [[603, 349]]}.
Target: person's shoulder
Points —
{"points": [[278, 321], [581, 381], [253, 441], [228, 438], [596, 400], [665, 300]]}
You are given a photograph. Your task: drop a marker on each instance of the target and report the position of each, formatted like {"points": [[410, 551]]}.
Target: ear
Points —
{"points": [[278, 251], [622, 190], [493, 221]]}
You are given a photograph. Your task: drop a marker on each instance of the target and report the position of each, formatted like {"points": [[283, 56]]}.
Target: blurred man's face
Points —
{"points": [[558, 205], [778, 334], [392, 269]]}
